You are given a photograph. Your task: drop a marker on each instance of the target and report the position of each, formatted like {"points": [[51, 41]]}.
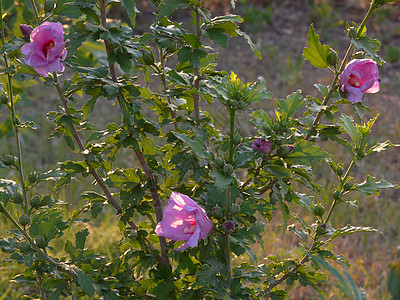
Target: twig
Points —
{"points": [[156, 200]]}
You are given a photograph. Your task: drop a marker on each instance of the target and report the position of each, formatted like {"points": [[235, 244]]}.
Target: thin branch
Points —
{"points": [[153, 190]]}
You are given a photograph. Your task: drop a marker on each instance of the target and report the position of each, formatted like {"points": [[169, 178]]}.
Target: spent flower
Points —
{"points": [[46, 49], [184, 220], [262, 145], [360, 76]]}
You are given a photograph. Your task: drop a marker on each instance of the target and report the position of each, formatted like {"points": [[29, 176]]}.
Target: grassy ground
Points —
{"points": [[279, 28]]}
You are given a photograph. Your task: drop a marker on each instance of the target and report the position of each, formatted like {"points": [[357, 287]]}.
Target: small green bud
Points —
{"points": [[336, 195], [148, 57], [339, 170], [24, 246], [40, 241], [351, 32], [3, 99], [319, 210], [219, 162], [16, 120], [228, 169], [35, 201], [235, 208], [237, 139], [33, 176], [333, 58], [321, 229], [17, 197], [348, 185], [273, 198], [49, 6], [24, 220], [9, 160]]}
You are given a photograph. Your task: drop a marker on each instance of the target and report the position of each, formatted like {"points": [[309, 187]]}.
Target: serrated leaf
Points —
{"points": [[250, 42], [218, 36], [306, 153], [371, 187], [80, 238], [316, 53], [169, 6], [222, 181], [291, 104], [348, 126], [379, 147], [352, 229], [369, 46], [196, 144], [130, 7], [85, 282]]}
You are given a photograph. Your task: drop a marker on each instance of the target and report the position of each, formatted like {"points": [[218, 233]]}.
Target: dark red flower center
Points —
{"points": [[354, 81], [191, 229], [47, 47]]}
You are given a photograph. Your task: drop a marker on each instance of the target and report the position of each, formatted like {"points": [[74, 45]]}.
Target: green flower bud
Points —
{"points": [[228, 169], [321, 229], [219, 162], [40, 241], [35, 201], [24, 220], [24, 246], [351, 32], [319, 210], [17, 197], [336, 195], [235, 208], [273, 198], [49, 6], [339, 170], [3, 99], [333, 58], [148, 57], [16, 120], [9, 160], [33, 176], [237, 139], [348, 185]]}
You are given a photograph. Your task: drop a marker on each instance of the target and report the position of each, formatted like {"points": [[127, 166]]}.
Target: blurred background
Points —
{"points": [[279, 29]]}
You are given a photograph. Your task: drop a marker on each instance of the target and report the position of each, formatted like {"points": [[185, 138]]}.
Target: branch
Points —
{"points": [[156, 200]]}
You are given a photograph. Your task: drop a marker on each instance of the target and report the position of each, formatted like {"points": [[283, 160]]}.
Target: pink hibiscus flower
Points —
{"points": [[184, 220], [46, 49], [360, 76]]}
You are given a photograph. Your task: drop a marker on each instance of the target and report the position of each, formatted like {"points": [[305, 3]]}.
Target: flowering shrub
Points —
{"points": [[158, 81]]}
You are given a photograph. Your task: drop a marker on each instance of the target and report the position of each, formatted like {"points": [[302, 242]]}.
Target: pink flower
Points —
{"points": [[184, 220], [262, 145], [360, 76], [46, 49]]}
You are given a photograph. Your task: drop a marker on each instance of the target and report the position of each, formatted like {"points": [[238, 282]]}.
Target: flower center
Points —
{"points": [[354, 81], [190, 229], [47, 47]]}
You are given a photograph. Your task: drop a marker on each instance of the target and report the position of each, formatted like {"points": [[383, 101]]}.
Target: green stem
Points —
{"points": [[196, 95], [231, 133], [13, 115], [35, 10], [226, 237]]}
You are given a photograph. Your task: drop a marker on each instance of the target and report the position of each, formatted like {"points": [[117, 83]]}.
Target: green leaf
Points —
{"points": [[85, 282], [371, 187], [196, 144], [379, 147], [291, 104], [348, 125], [316, 53], [80, 238], [169, 6], [352, 229], [193, 40], [130, 7], [249, 41], [305, 153], [218, 36], [369, 46], [222, 181]]}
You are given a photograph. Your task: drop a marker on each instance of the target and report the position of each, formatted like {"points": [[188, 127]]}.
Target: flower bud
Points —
{"points": [[319, 210], [339, 170], [336, 195], [35, 201], [49, 6], [321, 229], [40, 241], [228, 226], [24, 246], [228, 169], [33, 176], [237, 139], [25, 30], [348, 185], [3, 99], [332, 58], [17, 197], [217, 212], [351, 32], [219, 162], [148, 57], [24, 220], [235, 208], [273, 198], [9, 160], [171, 48]]}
